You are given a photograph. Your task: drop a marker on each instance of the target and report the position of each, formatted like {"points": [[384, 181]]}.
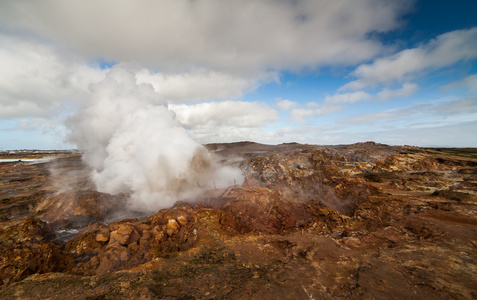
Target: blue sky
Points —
{"points": [[317, 72]]}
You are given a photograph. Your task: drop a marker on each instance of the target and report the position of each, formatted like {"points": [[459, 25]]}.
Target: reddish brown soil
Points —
{"points": [[362, 221]]}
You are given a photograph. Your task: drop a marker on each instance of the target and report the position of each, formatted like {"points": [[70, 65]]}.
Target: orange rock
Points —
{"points": [[124, 235], [182, 220], [173, 224], [103, 235]]}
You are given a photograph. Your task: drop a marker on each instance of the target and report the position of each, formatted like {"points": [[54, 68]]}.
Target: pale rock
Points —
{"points": [[182, 220]]}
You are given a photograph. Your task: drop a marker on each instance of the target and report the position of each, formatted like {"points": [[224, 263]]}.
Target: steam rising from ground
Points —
{"points": [[135, 145]]}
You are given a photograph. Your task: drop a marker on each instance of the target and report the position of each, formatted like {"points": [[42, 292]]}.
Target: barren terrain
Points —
{"points": [[361, 221]]}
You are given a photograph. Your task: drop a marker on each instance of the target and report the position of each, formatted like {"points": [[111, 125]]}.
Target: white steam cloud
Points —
{"points": [[136, 146]]}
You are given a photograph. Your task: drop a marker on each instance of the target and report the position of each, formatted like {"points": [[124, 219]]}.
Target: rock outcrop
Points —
{"points": [[358, 221]]}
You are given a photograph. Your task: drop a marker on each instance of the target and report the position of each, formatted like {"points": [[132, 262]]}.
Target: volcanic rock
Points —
{"points": [[103, 235], [311, 222], [27, 249], [124, 235], [172, 226], [182, 220]]}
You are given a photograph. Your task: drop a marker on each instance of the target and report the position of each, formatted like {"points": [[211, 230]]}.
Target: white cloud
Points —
{"points": [[326, 109], [448, 135], [348, 97], [432, 135], [437, 110], [226, 121], [442, 51], [471, 83], [406, 90], [203, 51], [202, 85], [300, 114], [36, 79], [216, 115], [189, 51], [47, 127], [236, 36], [387, 115], [302, 134], [313, 109], [461, 106], [285, 104]]}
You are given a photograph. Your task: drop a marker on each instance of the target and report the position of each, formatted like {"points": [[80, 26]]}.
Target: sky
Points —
{"points": [[313, 72]]}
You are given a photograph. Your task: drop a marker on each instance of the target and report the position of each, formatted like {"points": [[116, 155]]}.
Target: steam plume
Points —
{"points": [[135, 145]]}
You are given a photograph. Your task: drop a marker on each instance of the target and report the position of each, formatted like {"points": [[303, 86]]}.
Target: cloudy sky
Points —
{"points": [[316, 72]]}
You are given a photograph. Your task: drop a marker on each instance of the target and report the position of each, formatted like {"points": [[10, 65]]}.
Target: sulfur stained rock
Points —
{"points": [[172, 227], [324, 222], [86, 242], [113, 259], [158, 235], [26, 248], [182, 220], [103, 235], [124, 235], [72, 207], [121, 235], [24, 230], [173, 224], [134, 237]]}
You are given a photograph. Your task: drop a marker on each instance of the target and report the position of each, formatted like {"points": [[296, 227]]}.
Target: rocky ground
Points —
{"points": [[361, 221]]}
